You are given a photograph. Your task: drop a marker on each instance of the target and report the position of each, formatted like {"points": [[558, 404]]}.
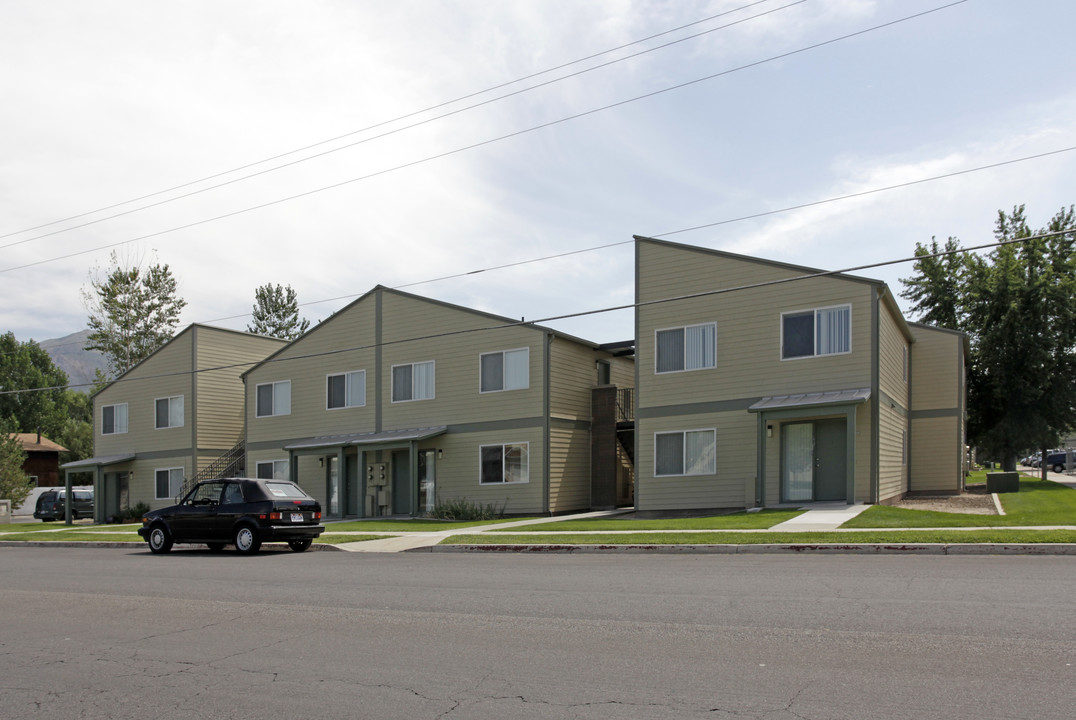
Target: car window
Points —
{"points": [[280, 489], [233, 494], [205, 494]]}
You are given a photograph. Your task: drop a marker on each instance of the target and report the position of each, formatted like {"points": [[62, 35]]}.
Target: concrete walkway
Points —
{"points": [[821, 516]]}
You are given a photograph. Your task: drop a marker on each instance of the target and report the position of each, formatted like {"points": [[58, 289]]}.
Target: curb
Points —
{"points": [[825, 549], [141, 545]]}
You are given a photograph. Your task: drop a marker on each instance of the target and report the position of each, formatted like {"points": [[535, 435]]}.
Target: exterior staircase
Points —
{"points": [[230, 464]]}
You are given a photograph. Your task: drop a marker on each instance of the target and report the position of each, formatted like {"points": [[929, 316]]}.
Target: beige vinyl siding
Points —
{"points": [[621, 371], [219, 423], [892, 475], [307, 363], [141, 484], [892, 345], [459, 467], [935, 457], [569, 470], [733, 485], [166, 373], [456, 395], [573, 374], [748, 322], [936, 358]]}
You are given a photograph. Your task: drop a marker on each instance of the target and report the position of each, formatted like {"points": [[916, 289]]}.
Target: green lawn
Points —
{"points": [[1038, 503], [416, 525], [736, 521], [895, 537]]}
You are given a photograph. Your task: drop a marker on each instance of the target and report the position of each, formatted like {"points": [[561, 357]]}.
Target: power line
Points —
{"points": [[486, 142], [388, 122], [568, 316]]}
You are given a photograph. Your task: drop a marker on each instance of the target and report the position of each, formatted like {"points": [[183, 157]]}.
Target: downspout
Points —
{"points": [[876, 414], [546, 409]]}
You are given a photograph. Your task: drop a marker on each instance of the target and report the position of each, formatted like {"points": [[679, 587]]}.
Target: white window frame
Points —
{"points": [[274, 463], [348, 384], [502, 446], [168, 470], [169, 398], [126, 419], [685, 328], [412, 398], [274, 412], [814, 331], [504, 375], [683, 450]]}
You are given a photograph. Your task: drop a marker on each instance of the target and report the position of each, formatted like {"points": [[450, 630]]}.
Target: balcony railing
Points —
{"points": [[625, 405]]}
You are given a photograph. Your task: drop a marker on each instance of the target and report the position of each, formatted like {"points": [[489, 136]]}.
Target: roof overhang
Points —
{"points": [[819, 399], [369, 438], [102, 460]]}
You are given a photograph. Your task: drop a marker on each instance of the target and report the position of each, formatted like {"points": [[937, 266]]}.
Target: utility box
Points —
{"points": [[5, 511], [1003, 482]]}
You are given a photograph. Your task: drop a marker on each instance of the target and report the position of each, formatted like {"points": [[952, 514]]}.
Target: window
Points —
{"points": [[691, 452], [906, 367], [114, 419], [693, 347], [273, 470], [507, 370], [412, 382], [169, 481], [824, 331], [233, 494], [169, 412], [903, 447], [273, 399], [504, 464], [346, 390]]}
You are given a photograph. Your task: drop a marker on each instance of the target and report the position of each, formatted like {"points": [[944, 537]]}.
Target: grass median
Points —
{"points": [[888, 537]]}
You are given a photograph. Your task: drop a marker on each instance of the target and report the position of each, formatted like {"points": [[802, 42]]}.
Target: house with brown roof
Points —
{"points": [[42, 464]]}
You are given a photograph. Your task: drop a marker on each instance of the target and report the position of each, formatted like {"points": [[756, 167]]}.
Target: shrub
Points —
{"points": [[463, 510], [131, 514]]}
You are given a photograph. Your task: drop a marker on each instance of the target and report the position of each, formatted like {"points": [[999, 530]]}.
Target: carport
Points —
{"points": [[102, 495]]}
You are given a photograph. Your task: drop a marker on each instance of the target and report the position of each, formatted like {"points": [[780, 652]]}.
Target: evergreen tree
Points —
{"points": [[937, 289], [276, 313], [133, 310]]}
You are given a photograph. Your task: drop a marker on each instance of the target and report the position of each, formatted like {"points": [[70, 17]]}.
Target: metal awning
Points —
{"points": [[368, 438], [102, 460], [819, 399]]}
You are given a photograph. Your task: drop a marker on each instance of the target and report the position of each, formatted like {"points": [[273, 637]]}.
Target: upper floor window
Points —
{"points": [[114, 419], [505, 370], [506, 463], [693, 347], [823, 331], [169, 412], [690, 452], [346, 390], [273, 399], [412, 382]]}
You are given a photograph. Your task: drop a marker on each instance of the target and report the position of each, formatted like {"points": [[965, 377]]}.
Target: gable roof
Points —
{"points": [[411, 296], [33, 442]]}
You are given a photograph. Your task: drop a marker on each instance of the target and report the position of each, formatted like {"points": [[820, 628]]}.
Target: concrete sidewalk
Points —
{"points": [[821, 516]]}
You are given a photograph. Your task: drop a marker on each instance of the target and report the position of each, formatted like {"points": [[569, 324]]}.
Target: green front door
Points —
{"points": [[830, 460], [401, 482]]}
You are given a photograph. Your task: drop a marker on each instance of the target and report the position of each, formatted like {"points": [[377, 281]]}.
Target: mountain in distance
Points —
{"points": [[69, 353]]}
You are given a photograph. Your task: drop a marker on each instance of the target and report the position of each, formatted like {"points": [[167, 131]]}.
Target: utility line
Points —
{"points": [[488, 141], [382, 124], [567, 316]]}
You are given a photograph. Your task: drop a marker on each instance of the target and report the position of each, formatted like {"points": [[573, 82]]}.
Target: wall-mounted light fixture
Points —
{"points": [[440, 453], [769, 431], [321, 462]]}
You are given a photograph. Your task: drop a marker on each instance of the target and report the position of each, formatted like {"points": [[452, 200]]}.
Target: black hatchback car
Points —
{"points": [[240, 511]]}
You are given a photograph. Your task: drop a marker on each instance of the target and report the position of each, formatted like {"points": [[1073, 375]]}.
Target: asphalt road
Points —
{"points": [[102, 633]]}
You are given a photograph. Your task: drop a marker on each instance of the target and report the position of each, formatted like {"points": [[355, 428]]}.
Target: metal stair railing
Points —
{"points": [[230, 464]]}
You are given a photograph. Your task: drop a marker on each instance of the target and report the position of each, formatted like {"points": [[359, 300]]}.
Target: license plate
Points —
{"points": [[296, 517]]}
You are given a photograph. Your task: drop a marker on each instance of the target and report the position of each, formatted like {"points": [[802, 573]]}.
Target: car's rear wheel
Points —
{"points": [[247, 541], [299, 545], [74, 515], [1059, 468], [160, 541], [215, 546]]}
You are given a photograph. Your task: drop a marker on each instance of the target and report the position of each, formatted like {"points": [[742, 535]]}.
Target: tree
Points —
{"points": [[276, 313], [1018, 307], [14, 485], [133, 310], [42, 403]]}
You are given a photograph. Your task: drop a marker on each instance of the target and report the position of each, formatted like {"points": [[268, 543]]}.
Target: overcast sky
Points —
{"points": [[104, 102]]}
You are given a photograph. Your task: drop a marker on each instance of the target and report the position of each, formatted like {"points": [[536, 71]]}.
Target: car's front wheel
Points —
{"points": [[247, 541], [160, 541], [1059, 468], [299, 545]]}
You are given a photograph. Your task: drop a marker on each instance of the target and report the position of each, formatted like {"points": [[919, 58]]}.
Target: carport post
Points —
{"points": [[68, 499]]}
